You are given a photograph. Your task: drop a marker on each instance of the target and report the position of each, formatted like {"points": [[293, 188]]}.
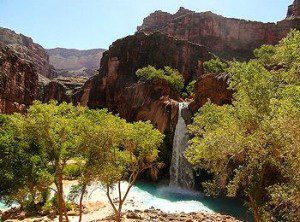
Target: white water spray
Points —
{"points": [[181, 172]]}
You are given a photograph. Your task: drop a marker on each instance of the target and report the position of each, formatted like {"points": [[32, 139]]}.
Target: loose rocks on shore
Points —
{"points": [[155, 215]]}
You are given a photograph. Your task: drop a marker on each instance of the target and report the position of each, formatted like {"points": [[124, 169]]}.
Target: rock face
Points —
{"points": [[61, 89], [294, 10], [28, 50], [213, 88], [18, 81], [226, 37], [73, 62], [117, 88]]}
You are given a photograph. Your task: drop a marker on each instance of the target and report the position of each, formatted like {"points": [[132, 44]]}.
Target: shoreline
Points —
{"points": [[97, 208], [103, 213]]}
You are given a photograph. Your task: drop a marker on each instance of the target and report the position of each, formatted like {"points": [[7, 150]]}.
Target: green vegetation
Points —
{"points": [[215, 66], [53, 142], [191, 87], [116, 151], [172, 76], [252, 147]]}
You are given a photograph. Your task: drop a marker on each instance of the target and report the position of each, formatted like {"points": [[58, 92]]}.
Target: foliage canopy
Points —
{"points": [[172, 76], [252, 147]]}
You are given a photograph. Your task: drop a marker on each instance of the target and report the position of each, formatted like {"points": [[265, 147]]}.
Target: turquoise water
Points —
{"points": [[186, 201], [172, 200], [3, 207]]}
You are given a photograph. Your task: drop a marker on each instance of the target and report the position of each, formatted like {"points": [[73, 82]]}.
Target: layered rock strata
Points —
{"points": [[226, 37]]}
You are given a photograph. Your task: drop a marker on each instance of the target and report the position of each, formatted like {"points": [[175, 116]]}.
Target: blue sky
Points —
{"points": [[85, 24]]}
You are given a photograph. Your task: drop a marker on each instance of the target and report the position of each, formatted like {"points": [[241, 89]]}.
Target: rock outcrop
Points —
{"points": [[226, 37], [28, 50], [117, 88], [18, 81], [294, 10], [73, 62], [211, 87], [60, 89]]}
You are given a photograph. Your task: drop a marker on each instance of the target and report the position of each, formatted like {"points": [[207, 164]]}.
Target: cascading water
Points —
{"points": [[181, 172]]}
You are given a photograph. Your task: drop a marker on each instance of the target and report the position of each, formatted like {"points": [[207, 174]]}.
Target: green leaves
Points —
{"points": [[253, 146], [53, 142], [215, 66], [172, 76]]}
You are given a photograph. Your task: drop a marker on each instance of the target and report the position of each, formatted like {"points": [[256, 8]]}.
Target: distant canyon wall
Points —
{"points": [[73, 62], [226, 37]]}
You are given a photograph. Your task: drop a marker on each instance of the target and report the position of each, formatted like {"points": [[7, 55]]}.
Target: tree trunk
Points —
{"points": [[59, 203], [117, 214], [254, 208], [60, 196], [80, 203], [64, 203]]}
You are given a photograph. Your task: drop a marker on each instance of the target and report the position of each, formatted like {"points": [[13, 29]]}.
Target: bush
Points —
{"points": [[72, 171], [215, 66], [252, 147], [172, 76], [191, 87]]}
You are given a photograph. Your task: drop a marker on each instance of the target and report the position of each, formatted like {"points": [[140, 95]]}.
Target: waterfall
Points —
{"points": [[181, 172]]}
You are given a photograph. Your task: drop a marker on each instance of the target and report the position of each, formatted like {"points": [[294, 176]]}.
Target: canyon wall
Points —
{"points": [[294, 10], [18, 81], [73, 62], [28, 50], [60, 89], [226, 37], [117, 88]]}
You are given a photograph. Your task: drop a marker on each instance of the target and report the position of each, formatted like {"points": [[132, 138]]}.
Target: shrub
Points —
{"points": [[215, 66], [172, 76], [252, 147], [191, 87], [72, 171]]}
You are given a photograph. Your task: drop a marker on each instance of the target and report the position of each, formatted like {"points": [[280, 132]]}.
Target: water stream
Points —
{"points": [[181, 172]]}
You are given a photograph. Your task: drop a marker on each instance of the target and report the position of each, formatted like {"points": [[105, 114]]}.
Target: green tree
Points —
{"points": [[215, 66], [127, 154], [191, 87], [172, 76], [52, 129], [24, 178], [113, 151], [98, 131], [252, 147]]}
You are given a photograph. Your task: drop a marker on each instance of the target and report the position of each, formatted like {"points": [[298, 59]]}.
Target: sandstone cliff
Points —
{"points": [[60, 89], [226, 37], [211, 87], [73, 62], [117, 88], [28, 50], [294, 10], [18, 81]]}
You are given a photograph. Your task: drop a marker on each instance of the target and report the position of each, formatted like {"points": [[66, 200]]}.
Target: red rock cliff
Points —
{"points": [[18, 81], [117, 88], [28, 50], [227, 37], [294, 10]]}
